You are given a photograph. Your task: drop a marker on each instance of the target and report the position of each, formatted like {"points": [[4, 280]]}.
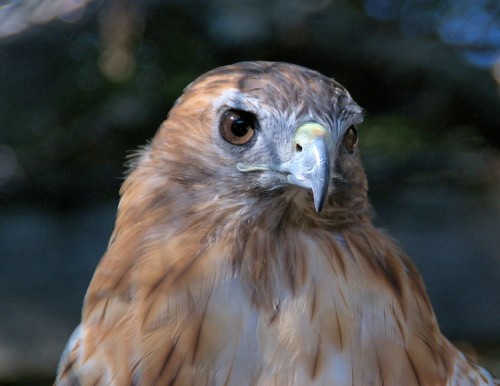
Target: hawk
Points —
{"points": [[244, 253]]}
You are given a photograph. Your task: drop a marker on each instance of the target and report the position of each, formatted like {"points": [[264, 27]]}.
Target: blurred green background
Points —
{"points": [[84, 83]]}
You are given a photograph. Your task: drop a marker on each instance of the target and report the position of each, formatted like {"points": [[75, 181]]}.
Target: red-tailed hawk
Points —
{"points": [[243, 253]]}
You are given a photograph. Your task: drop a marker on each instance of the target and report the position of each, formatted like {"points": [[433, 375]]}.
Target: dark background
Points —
{"points": [[82, 85]]}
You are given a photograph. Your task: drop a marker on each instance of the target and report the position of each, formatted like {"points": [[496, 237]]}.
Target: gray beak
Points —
{"points": [[310, 164]]}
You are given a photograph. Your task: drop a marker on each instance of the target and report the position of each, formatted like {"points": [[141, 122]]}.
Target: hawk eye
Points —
{"points": [[237, 127], [350, 139]]}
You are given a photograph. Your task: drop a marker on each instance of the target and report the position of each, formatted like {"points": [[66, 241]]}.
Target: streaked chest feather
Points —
{"points": [[301, 307], [309, 318]]}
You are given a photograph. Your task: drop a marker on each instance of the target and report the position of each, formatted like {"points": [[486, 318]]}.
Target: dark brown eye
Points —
{"points": [[237, 127], [351, 139]]}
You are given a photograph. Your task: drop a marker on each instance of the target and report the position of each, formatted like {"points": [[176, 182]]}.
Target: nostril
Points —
{"points": [[298, 148]]}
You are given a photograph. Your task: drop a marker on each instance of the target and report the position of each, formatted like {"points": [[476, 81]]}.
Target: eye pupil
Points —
{"points": [[237, 126]]}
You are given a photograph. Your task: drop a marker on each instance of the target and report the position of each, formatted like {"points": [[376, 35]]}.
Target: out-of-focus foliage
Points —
{"points": [[473, 26], [17, 16]]}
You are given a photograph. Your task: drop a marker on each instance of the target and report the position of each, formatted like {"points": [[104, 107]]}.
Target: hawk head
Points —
{"points": [[255, 130]]}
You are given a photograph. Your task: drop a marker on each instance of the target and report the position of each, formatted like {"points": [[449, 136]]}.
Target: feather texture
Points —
{"points": [[214, 276]]}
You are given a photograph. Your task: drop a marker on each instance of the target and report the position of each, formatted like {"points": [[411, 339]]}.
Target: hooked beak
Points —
{"points": [[310, 164]]}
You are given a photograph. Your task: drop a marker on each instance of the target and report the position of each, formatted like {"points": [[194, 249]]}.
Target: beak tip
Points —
{"points": [[319, 201]]}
